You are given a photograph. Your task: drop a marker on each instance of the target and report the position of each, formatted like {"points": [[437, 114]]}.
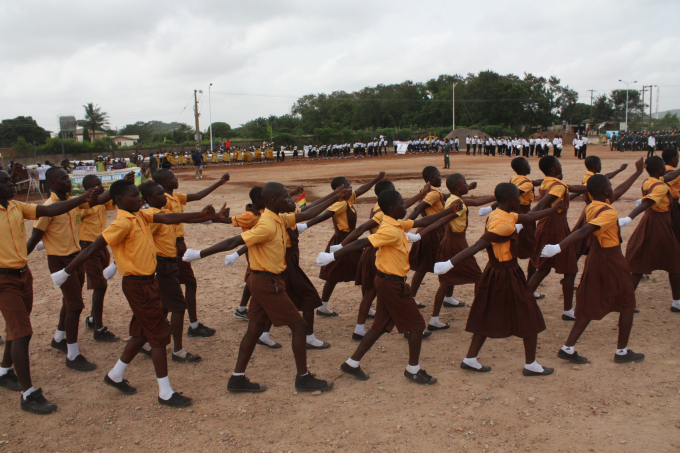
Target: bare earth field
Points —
{"points": [[601, 406]]}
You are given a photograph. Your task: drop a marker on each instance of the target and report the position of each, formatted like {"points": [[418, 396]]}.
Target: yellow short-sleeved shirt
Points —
{"points": [[247, 220], [377, 217], [132, 243], [585, 181], [266, 242], [607, 220], [164, 235], [503, 224], [94, 220], [526, 189], [392, 258], [460, 223], [434, 199], [659, 194], [559, 190], [175, 203], [13, 253], [674, 184], [340, 209], [62, 233]]}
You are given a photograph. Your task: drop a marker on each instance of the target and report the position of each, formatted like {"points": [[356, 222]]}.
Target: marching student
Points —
{"points": [[504, 305], [134, 251], [270, 302], [176, 201], [16, 286], [670, 157], [395, 305], [606, 285], [653, 246]]}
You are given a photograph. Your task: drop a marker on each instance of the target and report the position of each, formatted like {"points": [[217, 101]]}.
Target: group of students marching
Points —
{"points": [[147, 241], [511, 146]]}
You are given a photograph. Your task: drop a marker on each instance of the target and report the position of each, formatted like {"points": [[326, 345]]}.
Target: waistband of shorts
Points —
{"points": [[395, 278], [72, 255], [13, 271], [180, 239], [166, 259], [265, 273], [86, 243], [140, 277]]}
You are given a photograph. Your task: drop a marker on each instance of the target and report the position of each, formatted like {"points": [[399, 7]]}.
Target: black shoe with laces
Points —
{"points": [[426, 334], [201, 331], [105, 336], [572, 357], [176, 400], [89, 322], [10, 381], [123, 385], [241, 384], [630, 356], [356, 372], [80, 363], [308, 383], [421, 377], [59, 345], [37, 404], [241, 314], [189, 358]]}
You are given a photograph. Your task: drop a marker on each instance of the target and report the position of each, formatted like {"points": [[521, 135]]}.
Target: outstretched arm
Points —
{"points": [[625, 185], [478, 201], [438, 224], [470, 251], [416, 198], [366, 187], [648, 203], [430, 219], [534, 215], [578, 235], [208, 190], [338, 194], [85, 255], [62, 207], [206, 214], [353, 247], [545, 202], [223, 246], [316, 202], [616, 172], [422, 206], [361, 229], [671, 175]]}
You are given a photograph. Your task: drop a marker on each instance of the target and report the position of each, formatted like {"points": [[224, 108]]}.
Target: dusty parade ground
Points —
{"points": [[601, 406]]}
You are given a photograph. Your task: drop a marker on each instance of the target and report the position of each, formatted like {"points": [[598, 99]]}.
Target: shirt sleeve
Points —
{"points": [[407, 225], [385, 237], [606, 219], [28, 210], [181, 197], [526, 186], [338, 207], [117, 231], [242, 220], [657, 194], [42, 223], [503, 228], [432, 198], [148, 214], [288, 220], [262, 232], [558, 190], [378, 217]]}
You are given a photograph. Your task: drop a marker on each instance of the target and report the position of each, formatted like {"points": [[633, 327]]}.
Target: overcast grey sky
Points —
{"points": [[141, 60]]}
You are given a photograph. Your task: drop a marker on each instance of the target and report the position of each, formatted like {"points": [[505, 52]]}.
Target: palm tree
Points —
{"points": [[94, 118]]}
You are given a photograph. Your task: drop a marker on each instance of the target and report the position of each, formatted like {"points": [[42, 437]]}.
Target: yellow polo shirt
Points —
{"points": [[13, 253], [164, 235], [526, 189], [503, 224], [434, 199], [459, 224], [392, 258], [608, 221], [94, 220], [132, 244], [340, 209], [559, 190], [62, 233], [266, 242], [659, 194], [175, 203], [674, 184]]}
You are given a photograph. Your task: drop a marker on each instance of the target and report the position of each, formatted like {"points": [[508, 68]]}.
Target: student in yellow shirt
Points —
{"points": [[133, 249], [16, 287], [671, 158], [266, 251]]}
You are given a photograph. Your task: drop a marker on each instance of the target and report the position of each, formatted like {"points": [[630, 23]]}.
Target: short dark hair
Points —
{"points": [[596, 183], [668, 155], [52, 172], [89, 181], [655, 164], [145, 189], [387, 199], [338, 181], [547, 163], [592, 161], [453, 180], [255, 193], [272, 189], [429, 172], [161, 175], [118, 188], [517, 163], [383, 185], [504, 191]]}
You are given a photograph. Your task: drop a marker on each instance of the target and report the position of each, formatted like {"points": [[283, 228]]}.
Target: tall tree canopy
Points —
{"points": [[21, 126]]}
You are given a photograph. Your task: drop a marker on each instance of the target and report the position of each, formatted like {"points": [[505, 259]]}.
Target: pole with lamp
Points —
{"points": [[453, 103], [627, 84], [210, 117]]}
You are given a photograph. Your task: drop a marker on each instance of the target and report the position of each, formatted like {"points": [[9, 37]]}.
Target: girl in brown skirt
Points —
{"points": [[652, 245], [344, 221], [671, 158], [606, 285], [503, 306]]}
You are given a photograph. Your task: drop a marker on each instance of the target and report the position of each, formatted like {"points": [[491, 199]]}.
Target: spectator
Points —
{"points": [[42, 182], [153, 164], [197, 157]]}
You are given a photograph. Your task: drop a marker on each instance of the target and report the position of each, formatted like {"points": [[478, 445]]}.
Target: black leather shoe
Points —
{"points": [[241, 384], [37, 404], [123, 386], [176, 400], [356, 372], [421, 377], [467, 367], [572, 357], [546, 372]]}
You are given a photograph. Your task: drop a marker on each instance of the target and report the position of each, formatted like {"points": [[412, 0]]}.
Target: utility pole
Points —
{"points": [[196, 115], [591, 105], [644, 88]]}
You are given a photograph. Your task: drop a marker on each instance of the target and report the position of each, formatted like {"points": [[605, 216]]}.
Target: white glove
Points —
{"points": [[485, 211], [40, 246], [625, 221], [550, 250], [335, 248], [191, 255], [110, 271], [413, 237], [442, 267], [324, 258], [231, 259], [301, 227], [59, 278], [518, 227], [638, 202]]}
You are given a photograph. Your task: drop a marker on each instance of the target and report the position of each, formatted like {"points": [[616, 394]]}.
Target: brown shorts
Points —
{"points": [[72, 289], [16, 303], [169, 287], [148, 319], [396, 307], [269, 301], [94, 268], [186, 273]]}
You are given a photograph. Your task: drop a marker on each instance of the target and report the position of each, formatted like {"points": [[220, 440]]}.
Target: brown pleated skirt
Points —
{"points": [[366, 271], [552, 230], [503, 304], [423, 253], [343, 269], [527, 236], [466, 271], [581, 247], [298, 286], [653, 246]]}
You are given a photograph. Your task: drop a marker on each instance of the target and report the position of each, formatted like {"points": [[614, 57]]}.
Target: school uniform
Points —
{"points": [[134, 250], [366, 270], [299, 287], [606, 285], [423, 253], [653, 246], [674, 185], [553, 229], [344, 222], [175, 203], [527, 236], [93, 223], [16, 280], [503, 305], [466, 271], [246, 221], [583, 245], [395, 305]]}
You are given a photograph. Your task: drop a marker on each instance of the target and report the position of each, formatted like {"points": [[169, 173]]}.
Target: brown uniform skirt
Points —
{"points": [[148, 319], [94, 267], [423, 253], [343, 269], [581, 247], [466, 271], [527, 235], [395, 307], [675, 218], [653, 246], [16, 303], [270, 302], [606, 284], [367, 271], [552, 230], [298, 286], [72, 289], [170, 289]]}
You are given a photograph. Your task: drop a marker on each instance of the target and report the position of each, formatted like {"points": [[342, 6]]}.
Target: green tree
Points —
{"points": [[576, 112], [95, 119], [144, 130], [24, 126], [86, 135], [220, 129], [22, 147], [603, 109]]}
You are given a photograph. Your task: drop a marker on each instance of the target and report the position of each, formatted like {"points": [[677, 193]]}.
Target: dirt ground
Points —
{"points": [[601, 406]]}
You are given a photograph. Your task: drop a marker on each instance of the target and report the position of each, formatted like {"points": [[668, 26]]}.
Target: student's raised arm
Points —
{"points": [[616, 172], [205, 214], [419, 196], [62, 207], [535, 215], [358, 231], [445, 266], [366, 187], [339, 194], [625, 185], [208, 190]]}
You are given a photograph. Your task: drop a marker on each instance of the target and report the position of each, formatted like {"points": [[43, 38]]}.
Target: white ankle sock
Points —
{"points": [[194, 325], [59, 335], [164, 388], [623, 351], [116, 373], [569, 313], [238, 374], [28, 392], [181, 353], [324, 307], [241, 309], [311, 339], [371, 312], [414, 300], [434, 321], [264, 338], [676, 303], [451, 300], [535, 367], [537, 294], [4, 371], [360, 329], [413, 369], [472, 361], [568, 349], [146, 347], [352, 363], [73, 351]]}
